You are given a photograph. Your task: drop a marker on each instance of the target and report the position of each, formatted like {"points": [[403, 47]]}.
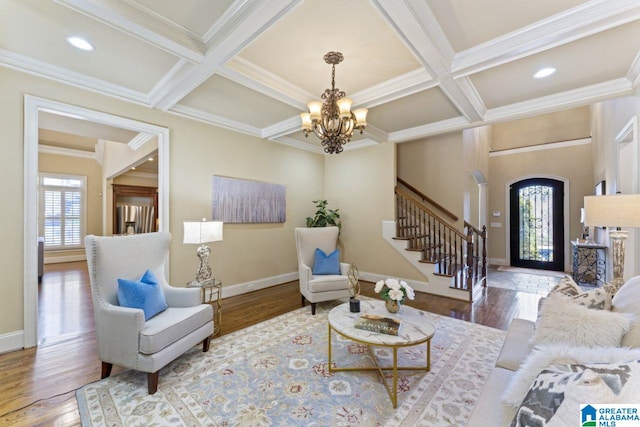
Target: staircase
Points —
{"points": [[453, 261]]}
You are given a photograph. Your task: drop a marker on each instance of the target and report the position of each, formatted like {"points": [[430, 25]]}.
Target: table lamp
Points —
{"points": [[619, 210], [201, 233]]}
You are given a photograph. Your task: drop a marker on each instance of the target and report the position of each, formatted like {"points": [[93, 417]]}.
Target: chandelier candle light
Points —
{"points": [[332, 120], [201, 233]]}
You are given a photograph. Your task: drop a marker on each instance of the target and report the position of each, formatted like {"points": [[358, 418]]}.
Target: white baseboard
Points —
{"points": [[11, 341], [374, 277], [254, 285], [61, 259], [497, 261]]}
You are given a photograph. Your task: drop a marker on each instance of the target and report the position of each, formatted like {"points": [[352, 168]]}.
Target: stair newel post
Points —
{"points": [[469, 268], [484, 253]]}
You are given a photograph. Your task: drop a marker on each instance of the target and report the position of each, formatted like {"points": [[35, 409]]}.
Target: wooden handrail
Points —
{"points": [[476, 229], [430, 212], [427, 199]]}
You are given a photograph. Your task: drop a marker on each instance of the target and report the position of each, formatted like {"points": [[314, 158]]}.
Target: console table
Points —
{"points": [[589, 263]]}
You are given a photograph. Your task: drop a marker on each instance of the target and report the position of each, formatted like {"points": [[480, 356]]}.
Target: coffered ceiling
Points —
{"points": [[422, 67]]}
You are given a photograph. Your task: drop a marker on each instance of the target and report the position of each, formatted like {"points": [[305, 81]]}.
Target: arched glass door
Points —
{"points": [[537, 224]]}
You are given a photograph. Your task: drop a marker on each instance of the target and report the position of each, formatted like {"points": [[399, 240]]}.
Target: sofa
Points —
{"points": [[577, 335]]}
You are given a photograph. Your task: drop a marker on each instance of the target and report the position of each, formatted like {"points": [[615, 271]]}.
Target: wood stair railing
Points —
{"points": [[461, 256]]}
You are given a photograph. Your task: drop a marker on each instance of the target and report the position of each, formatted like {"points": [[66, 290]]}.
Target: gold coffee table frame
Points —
{"points": [[393, 390]]}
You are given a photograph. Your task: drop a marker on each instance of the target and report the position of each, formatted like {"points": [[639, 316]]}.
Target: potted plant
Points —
{"points": [[324, 217]]}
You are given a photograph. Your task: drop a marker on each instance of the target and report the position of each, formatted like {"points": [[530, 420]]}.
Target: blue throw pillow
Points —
{"points": [[145, 293], [326, 264]]}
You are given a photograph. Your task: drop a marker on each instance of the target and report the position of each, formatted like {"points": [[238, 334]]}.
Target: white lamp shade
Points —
{"points": [[620, 210], [202, 232]]}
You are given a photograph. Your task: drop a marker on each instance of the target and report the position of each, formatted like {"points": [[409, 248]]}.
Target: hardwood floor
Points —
{"points": [[37, 385]]}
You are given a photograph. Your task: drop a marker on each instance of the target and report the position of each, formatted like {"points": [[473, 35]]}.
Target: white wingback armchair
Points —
{"points": [[124, 337], [318, 288]]}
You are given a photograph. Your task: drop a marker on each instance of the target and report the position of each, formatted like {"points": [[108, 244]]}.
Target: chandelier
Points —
{"points": [[332, 120]]}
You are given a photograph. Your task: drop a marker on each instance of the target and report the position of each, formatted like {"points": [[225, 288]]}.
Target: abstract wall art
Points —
{"points": [[246, 201]]}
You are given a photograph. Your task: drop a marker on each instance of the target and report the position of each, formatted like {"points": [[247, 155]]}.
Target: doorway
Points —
{"points": [[536, 207], [33, 106]]}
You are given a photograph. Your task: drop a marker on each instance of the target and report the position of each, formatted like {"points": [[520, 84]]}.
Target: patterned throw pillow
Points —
{"points": [[566, 286], [555, 396], [598, 298]]}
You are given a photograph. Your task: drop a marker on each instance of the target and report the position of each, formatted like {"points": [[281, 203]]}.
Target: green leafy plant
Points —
{"points": [[324, 217]]}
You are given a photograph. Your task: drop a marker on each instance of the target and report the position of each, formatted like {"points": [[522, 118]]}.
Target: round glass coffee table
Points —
{"points": [[414, 329]]}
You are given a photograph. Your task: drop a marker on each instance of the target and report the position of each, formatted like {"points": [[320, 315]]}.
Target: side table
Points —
{"points": [[211, 294], [589, 263]]}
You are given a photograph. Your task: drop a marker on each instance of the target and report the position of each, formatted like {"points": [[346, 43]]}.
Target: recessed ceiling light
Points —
{"points": [[544, 72], [80, 43], [150, 159]]}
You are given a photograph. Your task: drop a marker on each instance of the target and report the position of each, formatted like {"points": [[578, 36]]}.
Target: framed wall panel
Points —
{"points": [[246, 201]]}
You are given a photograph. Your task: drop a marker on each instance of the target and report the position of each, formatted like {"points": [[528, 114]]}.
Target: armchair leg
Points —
{"points": [[106, 370], [313, 308], [152, 380], [302, 305], [205, 344]]}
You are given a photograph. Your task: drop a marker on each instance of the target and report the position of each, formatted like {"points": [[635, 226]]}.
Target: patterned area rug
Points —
{"points": [[275, 373]]}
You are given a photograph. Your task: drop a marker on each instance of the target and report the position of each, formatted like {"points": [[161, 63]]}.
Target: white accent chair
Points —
{"points": [[322, 287], [124, 337]]}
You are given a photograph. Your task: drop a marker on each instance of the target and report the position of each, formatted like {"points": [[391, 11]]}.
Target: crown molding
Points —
{"points": [[576, 23], [250, 75], [212, 119], [561, 101], [144, 24], [291, 142], [541, 147], [634, 72], [283, 128], [135, 174], [356, 145], [469, 92], [68, 77], [140, 139], [376, 134], [443, 126], [62, 151]]}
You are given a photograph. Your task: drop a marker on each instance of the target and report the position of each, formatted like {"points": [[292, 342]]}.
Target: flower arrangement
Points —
{"points": [[394, 290]]}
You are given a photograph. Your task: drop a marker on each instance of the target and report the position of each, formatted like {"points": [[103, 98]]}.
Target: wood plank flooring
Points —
{"points": [[37, 385]]}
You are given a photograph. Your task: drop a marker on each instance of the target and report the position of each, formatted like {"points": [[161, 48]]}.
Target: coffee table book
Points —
{"points": [[380, 324]]}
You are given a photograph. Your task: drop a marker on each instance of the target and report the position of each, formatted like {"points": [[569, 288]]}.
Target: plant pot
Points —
{"points": [[392, 306]]}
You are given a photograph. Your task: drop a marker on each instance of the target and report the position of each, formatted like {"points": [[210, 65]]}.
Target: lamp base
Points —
{"points": [[354, 305]]}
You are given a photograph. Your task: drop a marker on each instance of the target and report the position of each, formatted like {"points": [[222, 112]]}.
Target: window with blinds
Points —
{"points": [[62, 210]]}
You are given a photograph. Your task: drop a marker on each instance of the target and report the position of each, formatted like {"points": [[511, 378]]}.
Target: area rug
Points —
{"points": [[275, 373]]}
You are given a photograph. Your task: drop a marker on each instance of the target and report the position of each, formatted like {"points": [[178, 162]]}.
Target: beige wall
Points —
{"points": [[435, 166], [77, 166], [571, 163], [552, 127], [361, 184], [197, 151]]}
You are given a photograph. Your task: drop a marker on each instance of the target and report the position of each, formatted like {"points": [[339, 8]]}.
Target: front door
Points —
{"points": [[537, 224]]}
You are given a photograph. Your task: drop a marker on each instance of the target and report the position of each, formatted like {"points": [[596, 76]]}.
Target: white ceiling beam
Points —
{"points": [[581, 21], [561, 101], [62, 151], [143, 24], [257, 17], [398, 87], [634, 72], [291, 142], [414, 21], [283, 128]]}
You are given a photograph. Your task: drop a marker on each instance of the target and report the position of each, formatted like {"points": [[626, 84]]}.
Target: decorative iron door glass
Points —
{"points": [[537, 225]]}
